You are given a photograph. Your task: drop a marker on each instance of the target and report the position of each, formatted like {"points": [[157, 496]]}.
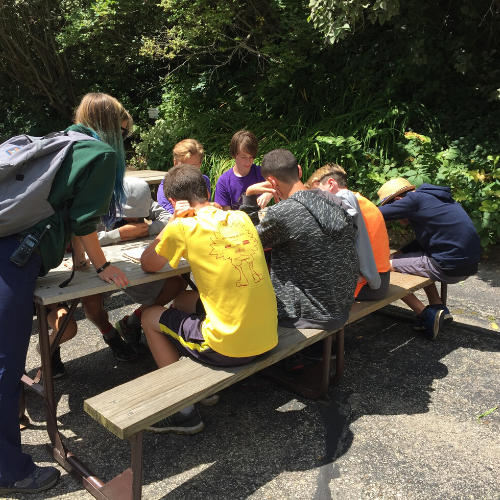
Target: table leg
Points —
{"points": [[339, 364], [126, 486], [312, 384], [48, 381], [444, 292]]}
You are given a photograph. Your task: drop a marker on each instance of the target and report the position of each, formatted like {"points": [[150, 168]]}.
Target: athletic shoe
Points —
{"points": [[448, 318], [58, 369], [179, 424], [42, 478], [432, 321], [211, 400], [121, 350], [131, 334], [418, 324]]}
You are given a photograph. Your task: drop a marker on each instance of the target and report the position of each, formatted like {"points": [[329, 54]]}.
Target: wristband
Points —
{"points": [[104, 266]]}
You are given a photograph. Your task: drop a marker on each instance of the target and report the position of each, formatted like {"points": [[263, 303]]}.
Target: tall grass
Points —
{"points": [[373, 125]]}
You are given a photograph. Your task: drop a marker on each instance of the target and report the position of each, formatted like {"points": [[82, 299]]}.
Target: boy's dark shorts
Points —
{"points": [[184, 331]]}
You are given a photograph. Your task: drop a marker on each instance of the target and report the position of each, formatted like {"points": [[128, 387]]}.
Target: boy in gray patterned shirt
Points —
{"points": [[314, 268]]}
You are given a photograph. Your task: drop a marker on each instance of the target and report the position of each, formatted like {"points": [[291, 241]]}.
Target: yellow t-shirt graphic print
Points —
{"points": [[228, 265], [235, 242]]}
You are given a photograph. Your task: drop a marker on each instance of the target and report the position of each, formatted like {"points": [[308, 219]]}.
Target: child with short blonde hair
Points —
{"points": [[187, 152]]}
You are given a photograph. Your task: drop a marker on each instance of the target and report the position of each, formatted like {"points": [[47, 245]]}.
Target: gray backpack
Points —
{"points": [[28, 166]]}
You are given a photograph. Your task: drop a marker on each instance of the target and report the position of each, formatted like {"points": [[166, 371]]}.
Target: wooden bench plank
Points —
{"points": [[165, 391], [401, 285], [133, 406]]}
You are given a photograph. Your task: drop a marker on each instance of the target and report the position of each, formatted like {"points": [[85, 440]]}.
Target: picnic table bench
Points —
{"points": [[130, 408]]}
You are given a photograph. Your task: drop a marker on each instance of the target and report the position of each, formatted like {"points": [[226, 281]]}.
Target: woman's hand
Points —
{"points": [[113, 274]]}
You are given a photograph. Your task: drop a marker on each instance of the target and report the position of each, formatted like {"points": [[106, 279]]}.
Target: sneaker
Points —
{"points": [[211, 400], [131, 334], [448, 318], [432, 320], [42, 478], [58, 369], [179, 424], [121, 350]]}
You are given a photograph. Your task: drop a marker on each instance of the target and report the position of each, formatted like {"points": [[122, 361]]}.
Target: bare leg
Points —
{"points": [[55, 319], [433, 294], [171, 289], [412, 301], [95, 312], [186, 301], [164, 352]]}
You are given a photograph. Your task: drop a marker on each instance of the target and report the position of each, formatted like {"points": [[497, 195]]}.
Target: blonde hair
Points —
{"points": [[103, 115], [187, 148], [330, 170]]}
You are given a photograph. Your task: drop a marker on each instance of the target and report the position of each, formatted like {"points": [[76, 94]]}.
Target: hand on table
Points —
{"points": [[113, 274]]}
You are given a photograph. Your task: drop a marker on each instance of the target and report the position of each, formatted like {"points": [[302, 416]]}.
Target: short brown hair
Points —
{"points": [[330, 170], [187, 148], [280, 163], [244, 140], [185, 182]]}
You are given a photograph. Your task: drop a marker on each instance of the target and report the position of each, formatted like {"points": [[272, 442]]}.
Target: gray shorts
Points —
{"points": [[145, 294], [419, 264]]}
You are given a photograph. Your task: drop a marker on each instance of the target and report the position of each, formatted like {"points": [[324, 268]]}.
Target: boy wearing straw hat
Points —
{"points": [[446, 246]]}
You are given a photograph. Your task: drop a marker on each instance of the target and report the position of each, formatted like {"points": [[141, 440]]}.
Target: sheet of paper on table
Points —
{"points": [[134, 254]]}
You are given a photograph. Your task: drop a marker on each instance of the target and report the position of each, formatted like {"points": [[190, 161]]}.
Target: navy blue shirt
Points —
{"points": [[443, 230]]}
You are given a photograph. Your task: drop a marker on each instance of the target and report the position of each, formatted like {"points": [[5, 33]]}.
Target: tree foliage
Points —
{"points": [[329, 79], [29, 54]]}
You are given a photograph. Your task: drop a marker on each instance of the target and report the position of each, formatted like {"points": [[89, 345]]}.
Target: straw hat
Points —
{"points": [[393, 188]]}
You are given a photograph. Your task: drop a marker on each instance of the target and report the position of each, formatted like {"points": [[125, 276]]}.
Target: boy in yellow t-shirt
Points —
{"points": [[233, 316]]}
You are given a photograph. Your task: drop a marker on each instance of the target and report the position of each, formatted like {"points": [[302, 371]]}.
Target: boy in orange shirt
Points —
{"points": [[333, 178]]}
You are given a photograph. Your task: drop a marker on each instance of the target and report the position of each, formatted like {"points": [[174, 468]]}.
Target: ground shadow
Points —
{"points": [[249, 440]]}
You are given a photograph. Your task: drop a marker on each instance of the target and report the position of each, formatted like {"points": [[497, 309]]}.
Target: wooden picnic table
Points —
{"points": [[85, 283]]}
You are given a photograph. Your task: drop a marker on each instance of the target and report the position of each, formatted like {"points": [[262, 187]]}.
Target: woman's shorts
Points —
{"points": [[184, 331], [419, 264]]}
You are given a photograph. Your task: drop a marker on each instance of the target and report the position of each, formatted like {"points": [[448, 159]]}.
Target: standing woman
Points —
{"points": [[91, 179]]}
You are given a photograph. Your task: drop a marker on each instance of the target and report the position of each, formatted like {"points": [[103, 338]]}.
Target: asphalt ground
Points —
{"points": [[402, 424]]}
